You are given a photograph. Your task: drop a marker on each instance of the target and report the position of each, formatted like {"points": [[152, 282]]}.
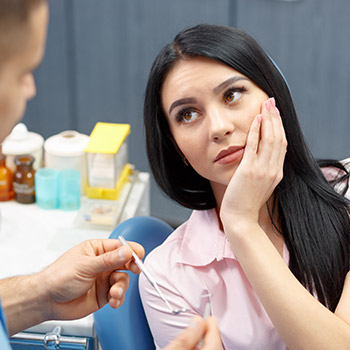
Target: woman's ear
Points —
{"points": [[184, 159]]}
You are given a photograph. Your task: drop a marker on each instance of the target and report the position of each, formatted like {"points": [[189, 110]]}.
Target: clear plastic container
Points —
{"points": [[107, 160], [106, 169], [98, 214]]}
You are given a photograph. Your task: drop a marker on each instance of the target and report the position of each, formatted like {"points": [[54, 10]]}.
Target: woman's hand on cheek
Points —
{"points": [[261, 168]]}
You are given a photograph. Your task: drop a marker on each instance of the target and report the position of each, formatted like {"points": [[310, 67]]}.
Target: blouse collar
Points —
{"points": [[203, 240]]}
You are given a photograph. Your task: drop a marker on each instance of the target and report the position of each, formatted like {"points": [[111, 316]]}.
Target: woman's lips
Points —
{"points": [[229, 155]]}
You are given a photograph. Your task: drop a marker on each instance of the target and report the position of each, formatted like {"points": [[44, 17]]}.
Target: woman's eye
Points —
{"points": [[187, 116], [233, 95]]}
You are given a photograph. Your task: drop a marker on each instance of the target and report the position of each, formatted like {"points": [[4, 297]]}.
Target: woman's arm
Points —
{"points": [[302, 321], [343, 307]]}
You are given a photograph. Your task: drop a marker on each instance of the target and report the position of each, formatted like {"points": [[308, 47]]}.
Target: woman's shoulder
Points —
{"points": [[333, 169], [190, 243], [164, 256], [337, 174]]}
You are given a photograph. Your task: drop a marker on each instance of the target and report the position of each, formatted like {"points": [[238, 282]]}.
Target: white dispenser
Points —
{"points": [[66, 151], [22, 141]]}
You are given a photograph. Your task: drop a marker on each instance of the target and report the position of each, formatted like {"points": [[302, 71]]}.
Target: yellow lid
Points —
{"points": [[107, 137]]}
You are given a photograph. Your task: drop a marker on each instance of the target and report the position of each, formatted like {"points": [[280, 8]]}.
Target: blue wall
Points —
{"points": [[99, 54]]}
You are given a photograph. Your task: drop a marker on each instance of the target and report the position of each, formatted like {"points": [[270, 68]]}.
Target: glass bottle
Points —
{"points": [[23, 179], [6, 178]]}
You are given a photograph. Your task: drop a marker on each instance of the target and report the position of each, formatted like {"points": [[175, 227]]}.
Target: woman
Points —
{"points": [[268, 241]]}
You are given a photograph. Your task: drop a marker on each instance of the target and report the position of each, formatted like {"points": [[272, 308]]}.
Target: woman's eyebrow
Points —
{"points": [[228, 82], [182, 101], [216, 90]]}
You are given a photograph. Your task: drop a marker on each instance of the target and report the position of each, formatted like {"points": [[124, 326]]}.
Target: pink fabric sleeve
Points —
{"points": [[173, 279], [331, 173], [346, 163]]}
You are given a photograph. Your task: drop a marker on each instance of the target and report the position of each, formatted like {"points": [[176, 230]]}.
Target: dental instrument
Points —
{"points": [[151, 280]]}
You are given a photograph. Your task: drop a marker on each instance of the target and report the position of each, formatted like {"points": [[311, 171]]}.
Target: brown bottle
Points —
{"points": [[23, 179], [6, 177]]}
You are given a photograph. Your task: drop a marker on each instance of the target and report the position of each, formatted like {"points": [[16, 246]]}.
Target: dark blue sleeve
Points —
{"points": [[4, 340]]}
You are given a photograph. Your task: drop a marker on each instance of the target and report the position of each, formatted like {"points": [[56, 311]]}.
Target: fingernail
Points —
{"points": [[122, 252], [273, 102], [120, 292], [277, 111], [118, 303], [259, 117], [268, 105]]}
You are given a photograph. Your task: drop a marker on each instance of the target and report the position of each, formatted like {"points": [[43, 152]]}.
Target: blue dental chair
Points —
{"points": [[126, 328]]}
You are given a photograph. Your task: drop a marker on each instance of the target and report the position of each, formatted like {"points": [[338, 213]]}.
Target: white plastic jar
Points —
{"points": [[66, 150], [21, 141]]}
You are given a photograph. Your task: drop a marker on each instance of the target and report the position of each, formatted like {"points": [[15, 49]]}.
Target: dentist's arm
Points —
{"points": [[78, 283]]}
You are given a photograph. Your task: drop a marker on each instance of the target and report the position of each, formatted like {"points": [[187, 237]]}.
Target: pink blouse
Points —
{"points": [[195, 265]]}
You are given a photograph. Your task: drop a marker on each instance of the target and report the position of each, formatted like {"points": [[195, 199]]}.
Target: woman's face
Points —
{"points": [[210, 107]]}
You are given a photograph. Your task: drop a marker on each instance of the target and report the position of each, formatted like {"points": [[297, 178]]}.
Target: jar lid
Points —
{"points": [[26, 160], [66, 144], [22, 141]]}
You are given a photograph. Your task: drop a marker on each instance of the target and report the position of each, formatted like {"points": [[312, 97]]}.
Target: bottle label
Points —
{"points": [[23, 188]]}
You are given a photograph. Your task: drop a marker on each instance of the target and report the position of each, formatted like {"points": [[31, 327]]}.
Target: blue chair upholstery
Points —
{"points": [[126, 328]]}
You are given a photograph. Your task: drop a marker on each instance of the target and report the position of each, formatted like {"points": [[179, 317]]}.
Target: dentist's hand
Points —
{"points": [[78, 283], [86, 277], [200, 331]]}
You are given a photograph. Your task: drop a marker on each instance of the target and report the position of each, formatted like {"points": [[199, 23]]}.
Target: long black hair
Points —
{"points": [[314, 218]]}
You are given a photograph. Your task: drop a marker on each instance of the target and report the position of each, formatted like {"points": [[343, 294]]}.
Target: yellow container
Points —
{"points": [[107, 160]]}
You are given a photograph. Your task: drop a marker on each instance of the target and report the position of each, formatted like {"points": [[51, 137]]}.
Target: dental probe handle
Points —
{"points": [[143, 269], [138, 261]]}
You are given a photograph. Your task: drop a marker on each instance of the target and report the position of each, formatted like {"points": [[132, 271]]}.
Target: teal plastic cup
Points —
{"points": [[46, 188], [69, 189]]}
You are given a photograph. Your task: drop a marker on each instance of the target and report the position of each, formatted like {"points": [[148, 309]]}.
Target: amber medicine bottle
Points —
{"points": [[6, 178], [23, 179]]}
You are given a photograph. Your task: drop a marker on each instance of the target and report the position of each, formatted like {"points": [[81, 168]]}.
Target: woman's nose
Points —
{"points": [[221, 125]]}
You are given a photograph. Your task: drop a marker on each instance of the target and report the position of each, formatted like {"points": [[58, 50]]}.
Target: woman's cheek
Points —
{"points": [[255, 110]]}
